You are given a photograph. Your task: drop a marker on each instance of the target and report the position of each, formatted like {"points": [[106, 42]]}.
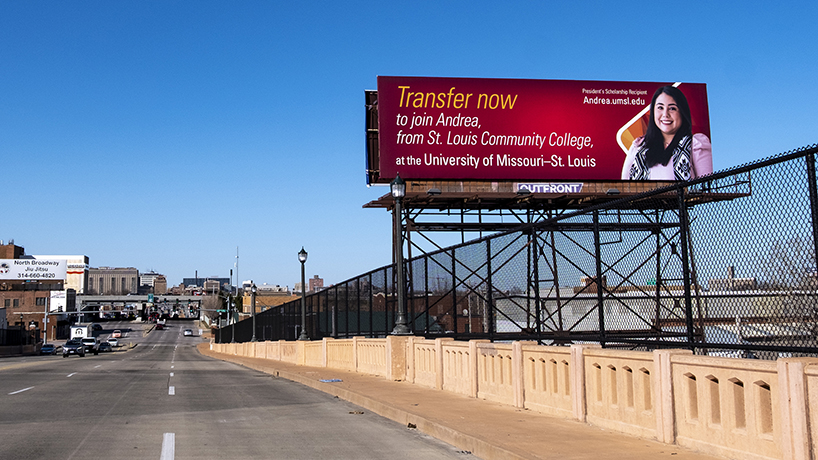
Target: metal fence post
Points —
{"points": [[426, 291], [489, 311], [683, 229], [813, 202], [599, 298], [536, 279], [454, 292]]}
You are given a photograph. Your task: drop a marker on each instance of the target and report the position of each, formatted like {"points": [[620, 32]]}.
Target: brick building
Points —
{"points": [[316, 284], [27, 303]]}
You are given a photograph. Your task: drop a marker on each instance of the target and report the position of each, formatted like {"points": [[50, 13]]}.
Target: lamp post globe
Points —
{"points": [[397, 187], [302, 257]]}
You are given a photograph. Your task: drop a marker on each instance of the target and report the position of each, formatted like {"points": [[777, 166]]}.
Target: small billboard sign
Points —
{"points": [[32, 269]]}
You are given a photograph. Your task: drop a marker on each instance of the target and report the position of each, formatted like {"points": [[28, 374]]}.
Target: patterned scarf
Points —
{"points": [[680, 159]]}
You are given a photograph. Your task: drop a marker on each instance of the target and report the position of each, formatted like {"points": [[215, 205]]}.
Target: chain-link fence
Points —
{"points": [[724, 265]]}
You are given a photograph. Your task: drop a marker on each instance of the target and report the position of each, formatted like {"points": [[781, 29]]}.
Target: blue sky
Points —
{"points": [[165, 134]]}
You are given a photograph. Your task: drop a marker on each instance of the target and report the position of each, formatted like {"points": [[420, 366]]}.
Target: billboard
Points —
{"points": [[32, 269], [58, 301], [76, 269], [541, 130]]}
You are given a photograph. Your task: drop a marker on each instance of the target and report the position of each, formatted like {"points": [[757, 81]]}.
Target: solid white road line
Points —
{"points": [[168, 446], [20, 391]]}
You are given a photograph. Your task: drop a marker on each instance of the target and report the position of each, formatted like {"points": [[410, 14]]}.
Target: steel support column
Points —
{"points": [[683, 229], [599, 297]]}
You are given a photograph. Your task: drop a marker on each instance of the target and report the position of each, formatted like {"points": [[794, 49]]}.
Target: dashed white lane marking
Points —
{"points": [[98, 365], [172, 367], [171, 390], [171, 374], [73, 373], [20, 391], [168, 446]]}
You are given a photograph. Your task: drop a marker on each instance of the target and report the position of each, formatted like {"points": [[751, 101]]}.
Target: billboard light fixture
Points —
{"points": [[612, 191], [433, 192], [523, 191]]}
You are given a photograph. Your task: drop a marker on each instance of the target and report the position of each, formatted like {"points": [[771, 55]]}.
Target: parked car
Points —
{"points": [[116, 334], [48, 349], [113, 342], [159, 326], [105, 346], [96, 327], [73, 347], [188, 332]]}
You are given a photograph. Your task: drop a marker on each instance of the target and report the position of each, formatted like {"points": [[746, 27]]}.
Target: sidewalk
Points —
{"points": [[488, 430]]}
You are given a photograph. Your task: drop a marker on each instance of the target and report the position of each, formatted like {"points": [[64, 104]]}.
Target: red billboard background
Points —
{"points": [[502, 129]]}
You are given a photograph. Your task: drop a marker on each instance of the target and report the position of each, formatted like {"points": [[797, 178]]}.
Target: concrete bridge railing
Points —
{"points": [[738, 408]]}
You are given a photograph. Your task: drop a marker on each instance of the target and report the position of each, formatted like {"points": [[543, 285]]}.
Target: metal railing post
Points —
{"points": [[813, 202], [599, 297], [683, 230]]}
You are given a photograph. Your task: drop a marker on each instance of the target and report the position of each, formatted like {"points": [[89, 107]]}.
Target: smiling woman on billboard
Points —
{"points": [[669, 150]]}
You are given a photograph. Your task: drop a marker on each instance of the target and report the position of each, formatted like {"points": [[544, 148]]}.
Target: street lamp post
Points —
{"points": [[398, 188], [45, 321], [230, 318], [302, 257], [22, 329], [253, 306]]}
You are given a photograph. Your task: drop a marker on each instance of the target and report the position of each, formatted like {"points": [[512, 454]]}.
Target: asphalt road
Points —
{"points": [[163, 400]]}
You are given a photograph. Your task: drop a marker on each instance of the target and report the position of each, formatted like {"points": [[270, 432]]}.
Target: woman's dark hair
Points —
{"points": [[654, 141]]}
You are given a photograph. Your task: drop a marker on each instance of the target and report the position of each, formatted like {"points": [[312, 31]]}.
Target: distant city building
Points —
{"points": [[220, 283], [10, 251], [211, 286], [113, 281], [269, 289], [316, 284], [268, 296], [148, 278], [731, 283], [152, 283], [160, 285]]}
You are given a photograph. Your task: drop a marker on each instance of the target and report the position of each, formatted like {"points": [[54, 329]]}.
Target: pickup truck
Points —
{"points": [[91, 344], [73, 347]]}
